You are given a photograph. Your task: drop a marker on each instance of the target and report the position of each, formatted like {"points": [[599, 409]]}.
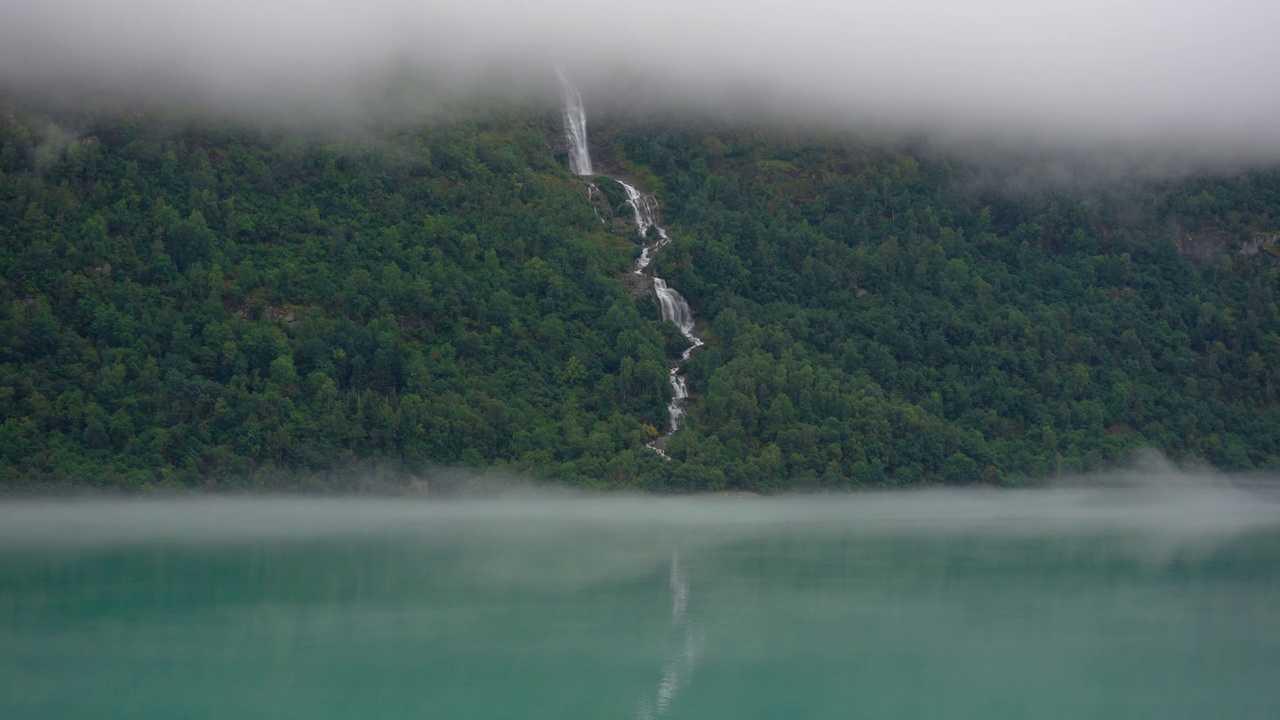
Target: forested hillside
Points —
{"points": [[203, 303], [192, 302], [883, 314]]}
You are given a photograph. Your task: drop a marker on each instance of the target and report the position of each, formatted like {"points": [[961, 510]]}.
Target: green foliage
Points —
{"points": [[616, 195], [214, 304], [199, 304], [876, 316]]}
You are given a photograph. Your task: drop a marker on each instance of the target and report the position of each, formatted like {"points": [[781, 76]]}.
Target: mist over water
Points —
{"points": [[1149, 595], [1141, 502]]}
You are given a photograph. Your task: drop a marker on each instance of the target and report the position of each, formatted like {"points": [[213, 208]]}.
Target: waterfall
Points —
{"points": [[575, 127], [675, 308], [645, 208]]}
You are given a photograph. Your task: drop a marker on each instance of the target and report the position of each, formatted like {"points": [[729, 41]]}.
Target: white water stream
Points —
{"points": [[645, 207], [575, 127], [674, 307]]}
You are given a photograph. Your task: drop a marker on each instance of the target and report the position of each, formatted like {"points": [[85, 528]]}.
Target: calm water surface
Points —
{"points": [[1047, 604]]}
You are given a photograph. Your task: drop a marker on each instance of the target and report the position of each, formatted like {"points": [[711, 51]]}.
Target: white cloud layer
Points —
{"points": [[1198, 76]]}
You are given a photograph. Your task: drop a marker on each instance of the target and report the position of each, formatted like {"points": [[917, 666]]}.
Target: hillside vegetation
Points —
{"points": [[201, 303]]}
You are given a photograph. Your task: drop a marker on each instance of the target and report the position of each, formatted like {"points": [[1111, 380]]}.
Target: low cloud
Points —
{"points": [[1188, 78]]}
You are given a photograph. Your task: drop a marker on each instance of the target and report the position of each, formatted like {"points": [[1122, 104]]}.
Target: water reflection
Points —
{"points": [[688, 640], [1098, 604]]}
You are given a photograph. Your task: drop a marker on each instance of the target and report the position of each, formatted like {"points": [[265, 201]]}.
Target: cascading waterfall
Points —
{"points": [[645, 207], [674, 307]]}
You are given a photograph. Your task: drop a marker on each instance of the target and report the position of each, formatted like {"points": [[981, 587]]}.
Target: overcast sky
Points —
{"points": [[1201, 76]]}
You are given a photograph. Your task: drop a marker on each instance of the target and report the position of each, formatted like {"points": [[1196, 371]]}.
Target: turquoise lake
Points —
{"points": [[1150, 602]]}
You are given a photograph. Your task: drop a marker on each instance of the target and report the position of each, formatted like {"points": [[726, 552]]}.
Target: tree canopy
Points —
{"points": [[192, 302]]}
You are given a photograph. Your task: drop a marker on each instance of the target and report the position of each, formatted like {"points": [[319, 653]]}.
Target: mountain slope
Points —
{"points": [[196, 302]]}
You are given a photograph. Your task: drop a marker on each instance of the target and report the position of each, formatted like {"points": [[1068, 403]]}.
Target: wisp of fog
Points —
{"points": [[1192, 77], [1152, 504]]}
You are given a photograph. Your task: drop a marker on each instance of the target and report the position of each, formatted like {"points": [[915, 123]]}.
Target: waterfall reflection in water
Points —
{"points": [[688, 640]]}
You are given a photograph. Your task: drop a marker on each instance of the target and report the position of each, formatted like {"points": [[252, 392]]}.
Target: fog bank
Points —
{"points": [[1179, 77], [1171, 507]]}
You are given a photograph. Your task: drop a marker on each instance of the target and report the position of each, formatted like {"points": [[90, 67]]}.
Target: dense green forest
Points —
{"points": [[191, 301]]}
